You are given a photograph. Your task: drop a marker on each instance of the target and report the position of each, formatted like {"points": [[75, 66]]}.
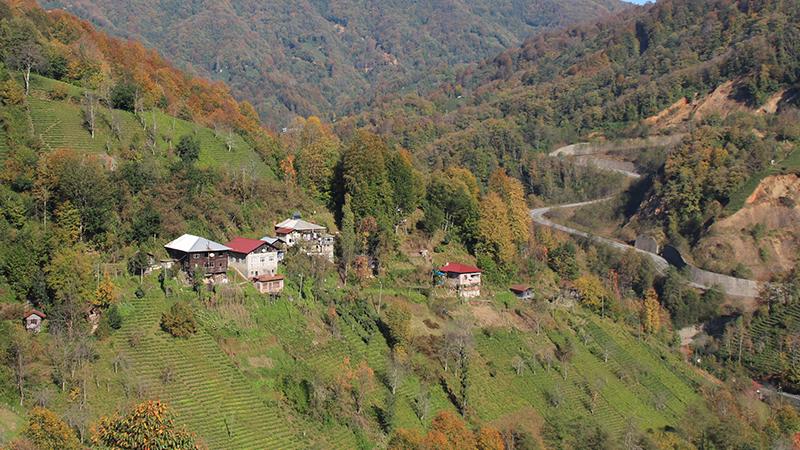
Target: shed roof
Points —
{"points": [[245, 245], [189, 243], [31, 312], [459, 268], [519, 288], [267, 278]]}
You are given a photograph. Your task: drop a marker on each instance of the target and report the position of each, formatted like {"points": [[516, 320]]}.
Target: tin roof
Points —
{"points": [[299, 225], [189, 243]]}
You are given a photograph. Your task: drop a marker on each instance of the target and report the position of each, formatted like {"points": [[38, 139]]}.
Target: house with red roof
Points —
{"points": [[462, 279], [252, 257]]}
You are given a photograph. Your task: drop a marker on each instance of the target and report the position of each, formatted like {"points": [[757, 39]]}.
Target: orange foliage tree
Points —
{"points": [[150, 425], [448, 432]]}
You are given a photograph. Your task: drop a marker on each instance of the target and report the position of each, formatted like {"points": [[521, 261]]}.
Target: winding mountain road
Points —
{"points": [[698, 278]]}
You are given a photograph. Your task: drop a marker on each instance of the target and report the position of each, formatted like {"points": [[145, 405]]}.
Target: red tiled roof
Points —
{"points": [[267, 278], [244, 245], [30, 312], [520, 288], [283, 230], [459, 268]]}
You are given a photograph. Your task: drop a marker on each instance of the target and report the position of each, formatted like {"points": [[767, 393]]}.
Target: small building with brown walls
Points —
{"points": [[269, 284]]}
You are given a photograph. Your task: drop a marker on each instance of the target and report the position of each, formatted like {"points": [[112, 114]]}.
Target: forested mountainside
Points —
{"points": [[329, 57], [443, 318], [728, 70]]}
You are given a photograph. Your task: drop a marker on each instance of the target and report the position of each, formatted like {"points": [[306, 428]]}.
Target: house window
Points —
{"points": [[196, 256]]}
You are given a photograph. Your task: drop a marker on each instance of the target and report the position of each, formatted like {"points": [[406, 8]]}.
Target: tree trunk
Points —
{"points": [[27, 76], [20, 377]]}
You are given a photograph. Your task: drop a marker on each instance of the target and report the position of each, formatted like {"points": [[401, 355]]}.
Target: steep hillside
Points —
{"points": [[313, 57], [763, 235]]}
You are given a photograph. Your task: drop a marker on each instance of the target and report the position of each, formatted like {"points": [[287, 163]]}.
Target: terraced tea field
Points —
{"points": [[771, 353], [610, 379], [207, 392]]}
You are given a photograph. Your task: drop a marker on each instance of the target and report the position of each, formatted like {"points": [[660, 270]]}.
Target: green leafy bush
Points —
{"points": [[179, 321]]}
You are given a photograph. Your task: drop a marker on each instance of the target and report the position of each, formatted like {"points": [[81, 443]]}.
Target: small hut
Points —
{"points": [[269, 284], [33, 320], [522, 291]]}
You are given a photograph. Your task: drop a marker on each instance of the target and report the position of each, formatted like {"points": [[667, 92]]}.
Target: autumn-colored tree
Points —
{"points": [[363, 385], [466, 179], [105, 294], [288, 172], [495, 234], [355, 383], [651, 312], [317, 155], [513, 195], [458, 435], [404, 439], [70, 276], [398, 323], [150, 425], [68, 219], [489, 438], [592, 293], [49, 432]]}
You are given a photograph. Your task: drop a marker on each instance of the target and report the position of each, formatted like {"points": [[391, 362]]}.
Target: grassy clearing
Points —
{"points": [[60, 124], [11, 424]]}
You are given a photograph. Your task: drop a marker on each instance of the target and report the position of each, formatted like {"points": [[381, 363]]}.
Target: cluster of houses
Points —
{"points": [[254, 259], [257, 260]]}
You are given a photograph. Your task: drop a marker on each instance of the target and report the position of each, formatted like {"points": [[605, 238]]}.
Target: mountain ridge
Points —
{"points": [[326, 58]]}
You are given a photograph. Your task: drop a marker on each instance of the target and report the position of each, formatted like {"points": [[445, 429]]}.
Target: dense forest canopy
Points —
{"points": [[329, 57]]}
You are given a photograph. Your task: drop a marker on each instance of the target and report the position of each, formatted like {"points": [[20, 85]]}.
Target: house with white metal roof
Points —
{"points": [[190, 252], [313, 238]]}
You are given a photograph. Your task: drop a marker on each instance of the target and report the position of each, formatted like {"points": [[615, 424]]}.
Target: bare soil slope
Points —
{"points": [[764, 235]]}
